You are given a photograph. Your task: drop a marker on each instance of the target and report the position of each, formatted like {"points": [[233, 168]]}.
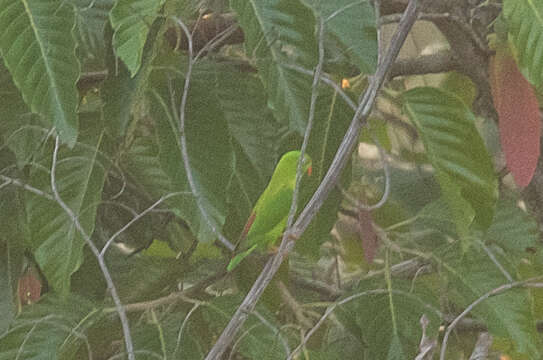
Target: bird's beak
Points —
{"points": [[309, 171]]}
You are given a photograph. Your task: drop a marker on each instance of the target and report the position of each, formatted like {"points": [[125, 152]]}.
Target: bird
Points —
{"points": [[269, 216]]}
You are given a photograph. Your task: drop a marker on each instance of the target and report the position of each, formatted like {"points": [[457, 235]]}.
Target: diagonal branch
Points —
{"points": [[359, 119], [528, 283], [101, 262], [328, 183]]}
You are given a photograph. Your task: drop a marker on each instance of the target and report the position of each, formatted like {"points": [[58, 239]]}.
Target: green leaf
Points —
{"points": [[462, 165], [262, 337], [255, 134], [513, 229], [91, 17], [23, 133], [208, 146], [51, 329], [140, 277], [80, 177], [38, 48], [141, 162], [130, 20], [353, 24], [472, 274], [168, 336], [11, 254], [525, 25], [389, 323], [122, 92], [243, 102], [277, 32]]}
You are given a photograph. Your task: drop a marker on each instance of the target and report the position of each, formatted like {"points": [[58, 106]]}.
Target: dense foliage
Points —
{"points": [[137, 135]]}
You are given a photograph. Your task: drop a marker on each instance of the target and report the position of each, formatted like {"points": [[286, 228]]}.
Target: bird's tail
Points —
{"points": [[239, 258]]}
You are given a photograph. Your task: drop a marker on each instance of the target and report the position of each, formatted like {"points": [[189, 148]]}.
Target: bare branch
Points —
{"points": [[8, 181], [442, 61], [103, 267], [173, 297], [532, 282], [359, 120], [139, 216], [184, 151], [332, 307], [386, 193], [271, 267], [327, 184]]}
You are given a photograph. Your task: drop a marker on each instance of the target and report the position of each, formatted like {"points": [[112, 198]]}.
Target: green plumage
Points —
{"points": [[269, 216]]}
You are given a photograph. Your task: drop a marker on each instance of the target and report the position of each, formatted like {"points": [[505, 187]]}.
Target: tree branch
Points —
{"points": [[532, 282], [324, 188], [439, 62], [183, 139], [101, 262]]}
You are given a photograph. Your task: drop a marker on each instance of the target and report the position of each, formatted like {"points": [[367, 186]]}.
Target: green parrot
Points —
{"points": [[269, 216]]}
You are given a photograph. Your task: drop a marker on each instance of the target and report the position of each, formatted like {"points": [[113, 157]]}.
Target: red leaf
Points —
{"points": [[29, 289], [367, 235], [518, 111]]}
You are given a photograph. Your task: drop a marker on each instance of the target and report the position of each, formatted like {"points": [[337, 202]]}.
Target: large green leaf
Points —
{"points": [[277, 32], [462, 165], [80, 177], [243, 102], [123, 91], [142, 165], [38, 48], [525, 27], [91, 17], [353, 24], [23, 132], [208, 146], [52, 329], [131, 21], [388, 323], [508, 315], [255, 134], [513, 229]]}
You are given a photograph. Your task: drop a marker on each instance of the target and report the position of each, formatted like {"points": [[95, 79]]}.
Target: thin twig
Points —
{"points": [[332, 307], [359, 119], [287, 243], [183, 325], [184, 151], [269, 325], [7, 180], [496, 262], [173, 297], [325, 187], [532, 282], [139, 216], [386, 193], [103, 267], [394, 18], [294, 306]]}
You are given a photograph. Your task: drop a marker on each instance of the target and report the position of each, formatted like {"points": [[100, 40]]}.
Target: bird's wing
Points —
{"points": [[269, 215]]}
